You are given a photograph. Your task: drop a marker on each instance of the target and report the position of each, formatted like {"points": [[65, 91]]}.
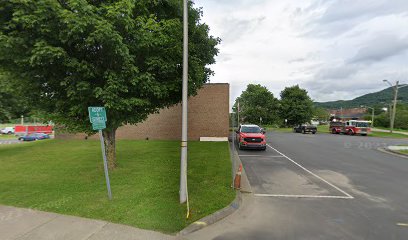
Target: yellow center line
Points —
{"points": [[402, 224]]}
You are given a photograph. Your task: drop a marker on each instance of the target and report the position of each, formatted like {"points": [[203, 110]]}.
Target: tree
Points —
{"points": [[321, 113], [125, 55], [257, 103], [12, 102], [296, 105]]}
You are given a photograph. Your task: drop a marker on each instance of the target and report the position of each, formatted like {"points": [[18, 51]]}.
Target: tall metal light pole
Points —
{"points": [[183, 161]]}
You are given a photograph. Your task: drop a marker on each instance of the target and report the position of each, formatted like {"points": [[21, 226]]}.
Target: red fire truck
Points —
{"points": [[350, 127], [24, 130]]}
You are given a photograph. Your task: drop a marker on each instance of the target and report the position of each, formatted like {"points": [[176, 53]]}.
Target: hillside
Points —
{"points": [[382, 97]]}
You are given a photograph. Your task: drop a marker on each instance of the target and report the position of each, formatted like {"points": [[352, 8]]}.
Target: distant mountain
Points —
{"points": [[382, 97]]}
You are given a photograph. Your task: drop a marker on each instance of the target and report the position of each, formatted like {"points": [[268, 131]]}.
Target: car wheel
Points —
{"points": [[334, 131], [350, 132], [304, 131], [313, 132], [263, 149]]}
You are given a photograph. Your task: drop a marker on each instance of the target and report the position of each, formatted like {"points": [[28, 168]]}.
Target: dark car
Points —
{"points": [[34, 137], [305, 128]]}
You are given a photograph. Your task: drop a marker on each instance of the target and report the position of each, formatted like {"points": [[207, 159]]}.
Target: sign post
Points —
{"points": [[97, 116]]}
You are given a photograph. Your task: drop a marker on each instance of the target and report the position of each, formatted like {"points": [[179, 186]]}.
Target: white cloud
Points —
{"points": [[336, 49]]}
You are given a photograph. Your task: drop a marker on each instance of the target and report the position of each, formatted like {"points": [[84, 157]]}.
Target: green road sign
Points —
{"points": [[98, 125], [97, 114]]}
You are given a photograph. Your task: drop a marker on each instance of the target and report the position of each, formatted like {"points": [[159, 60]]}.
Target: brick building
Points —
{"points": [[208, 116], [348, 113]]}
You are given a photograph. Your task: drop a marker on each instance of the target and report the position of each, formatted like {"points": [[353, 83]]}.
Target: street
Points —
{"points": [[320, 186]]}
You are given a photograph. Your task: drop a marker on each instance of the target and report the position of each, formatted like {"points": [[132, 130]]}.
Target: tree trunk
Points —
{"points": [[109, 137]]}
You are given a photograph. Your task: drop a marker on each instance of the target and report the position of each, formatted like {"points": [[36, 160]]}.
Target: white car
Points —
{"points": [[7, 130]]}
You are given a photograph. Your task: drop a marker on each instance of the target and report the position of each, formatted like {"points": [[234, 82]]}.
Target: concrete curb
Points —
{"points": [[215, 217], [245, 186], [395, 153]]}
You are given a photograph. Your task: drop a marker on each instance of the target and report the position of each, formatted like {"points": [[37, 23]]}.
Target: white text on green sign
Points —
{"points": [[97, 114]]}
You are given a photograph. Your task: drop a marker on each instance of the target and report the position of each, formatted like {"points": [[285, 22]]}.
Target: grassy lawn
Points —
{"points": [[7, 137], [387, 135], [395, 129], [67, 177]]}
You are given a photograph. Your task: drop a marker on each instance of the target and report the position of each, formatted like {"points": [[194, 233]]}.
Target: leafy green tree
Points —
{"points": [[401, 118], [12, 102], [321, 113], [296, 105], [125, 55], [257, 103]]}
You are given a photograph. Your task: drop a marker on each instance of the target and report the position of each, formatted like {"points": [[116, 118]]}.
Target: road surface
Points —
{"points": [[320, 186]]}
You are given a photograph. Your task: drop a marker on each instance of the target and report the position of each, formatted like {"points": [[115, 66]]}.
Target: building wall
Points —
{"points": [[208, 116], [349, 113]]}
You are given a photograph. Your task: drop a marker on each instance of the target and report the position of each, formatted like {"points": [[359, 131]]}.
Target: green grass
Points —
{"points": [[387, 135], [7, 136], [67, 177], [395, 129]]}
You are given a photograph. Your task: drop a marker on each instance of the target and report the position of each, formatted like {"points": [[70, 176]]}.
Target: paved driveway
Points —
{"points": [[320, 187]]}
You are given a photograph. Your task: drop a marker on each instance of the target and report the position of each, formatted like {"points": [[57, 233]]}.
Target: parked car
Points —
{"points": [[251, 137], [7, 130], [34, 137], [305, 128]]}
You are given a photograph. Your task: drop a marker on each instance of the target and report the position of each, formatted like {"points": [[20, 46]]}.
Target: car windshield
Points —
{"points": [[362, 124], [246, 129]]}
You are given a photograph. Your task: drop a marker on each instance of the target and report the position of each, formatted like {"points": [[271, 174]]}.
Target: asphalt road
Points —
{"points": [[320, 186]]}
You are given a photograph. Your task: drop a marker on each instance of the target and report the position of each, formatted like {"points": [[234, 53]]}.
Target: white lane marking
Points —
{"points": [[297, 164], [260, 156], [302, 196]]}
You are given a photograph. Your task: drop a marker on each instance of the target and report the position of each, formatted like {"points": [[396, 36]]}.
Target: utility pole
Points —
{"points": [[238, 114], [394, 108], [372, 115], [183, 161]]}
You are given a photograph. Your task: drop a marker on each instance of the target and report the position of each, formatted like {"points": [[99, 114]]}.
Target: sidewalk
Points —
{"points": [[27, 224], [382, 130]]}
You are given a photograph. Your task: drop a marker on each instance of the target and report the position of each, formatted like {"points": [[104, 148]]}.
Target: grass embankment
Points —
{"points": [[387, 135], [7, 136], [403, 151], [67, 177], [395, 129]]}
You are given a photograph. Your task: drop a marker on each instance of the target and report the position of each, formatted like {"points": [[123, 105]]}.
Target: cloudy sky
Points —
{"points": [[336, 49]]}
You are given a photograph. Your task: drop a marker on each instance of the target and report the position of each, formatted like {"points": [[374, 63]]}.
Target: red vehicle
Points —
{"points": [[251, 137], [351, 127], [25, 130]]}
